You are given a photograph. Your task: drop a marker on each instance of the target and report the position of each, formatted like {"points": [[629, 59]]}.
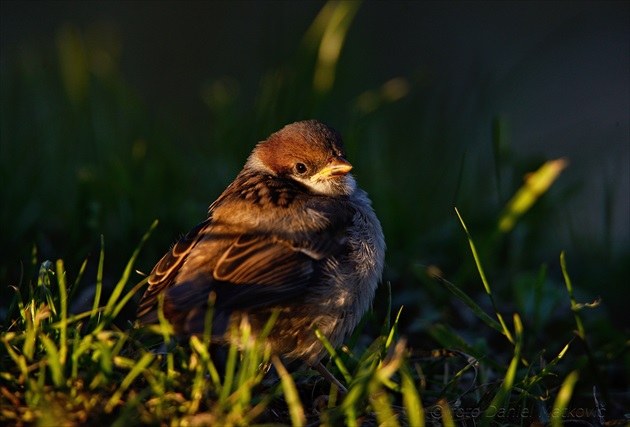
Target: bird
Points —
{"points": [[292, 233]]}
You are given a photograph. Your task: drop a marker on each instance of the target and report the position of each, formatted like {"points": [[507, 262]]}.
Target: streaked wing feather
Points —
{"points": [[258, 271], [166, 269]]}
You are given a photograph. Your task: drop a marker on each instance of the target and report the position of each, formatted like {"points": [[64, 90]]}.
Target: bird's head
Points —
{"points": [[308, 152]]}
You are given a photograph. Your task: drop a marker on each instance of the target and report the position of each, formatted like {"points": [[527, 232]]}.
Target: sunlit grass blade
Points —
{"points": [[562, 400], [381, 402], [198, 383], [351, 404], [504, 328], [79, 346], [124, 300], [63, 302], [547, 369], [501, 399], [296, 410], [445, 413], [390, 365], [202, 349], [98, 290], [393, 330], [166, 329], [411, 398], [333, 355], [19, 359], [536, 184], [230, 367], [112, 303], [329, 31], [248, 352], [53, 360], [138, 368]]}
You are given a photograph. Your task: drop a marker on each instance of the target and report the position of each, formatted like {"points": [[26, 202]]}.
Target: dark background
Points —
{"points": [[177, 94]]}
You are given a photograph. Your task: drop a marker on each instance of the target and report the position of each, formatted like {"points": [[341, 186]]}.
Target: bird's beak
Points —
{"points": [[337, 166]]}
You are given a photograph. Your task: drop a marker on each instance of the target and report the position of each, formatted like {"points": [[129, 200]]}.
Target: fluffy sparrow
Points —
{"points": [[292, 232]]}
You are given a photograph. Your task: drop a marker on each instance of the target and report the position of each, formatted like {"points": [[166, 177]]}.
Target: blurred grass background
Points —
{"points": [[117, 113]]}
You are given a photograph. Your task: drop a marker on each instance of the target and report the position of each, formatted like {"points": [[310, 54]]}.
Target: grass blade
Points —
{"points": [[461, 295], [411, 398], [504, 329], [296, 410], [536, 184], [547, 369], [330, 29], [574, 304], [138, 368], [99, 283], [502, 397], [563, 399], [333, 355], [63, 301], [112, 305], [53, 360]]}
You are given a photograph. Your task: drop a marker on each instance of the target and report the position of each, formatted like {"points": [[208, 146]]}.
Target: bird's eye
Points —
{"points": [[300, 168]]}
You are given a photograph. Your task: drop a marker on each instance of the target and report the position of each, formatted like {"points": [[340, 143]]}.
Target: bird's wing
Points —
{"points": [[257, 270], [164, 272]]}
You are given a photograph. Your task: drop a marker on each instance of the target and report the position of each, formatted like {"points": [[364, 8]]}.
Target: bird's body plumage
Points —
{"points": [[305, 243]]}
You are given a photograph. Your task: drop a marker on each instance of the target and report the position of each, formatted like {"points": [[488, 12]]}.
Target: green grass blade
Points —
{"points": [[330, 29], [75, 285], [230, 368], [18, 359], [99, 284], [123, 301], [502, 397], [112, 303], [486, 285], [393, 330], [333, 355], [461, 295], [574, 305], [562, 400], [446, 413], [53, 360], [248, 350], [296, 410], [380, 401], [138, 368], [202, 350], [63, 301], [547, 369], [411, 399], [536, 184]]}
